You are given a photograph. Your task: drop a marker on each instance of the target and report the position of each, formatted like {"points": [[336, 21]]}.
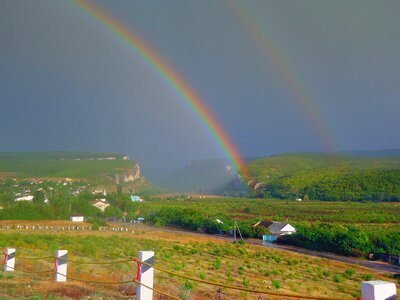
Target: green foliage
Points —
{"points": [[276, 284], [217, 264], [188, 285], [202, 275], [338, 278], [343, 239], [349, 273], [324, 177], [367, 277]]}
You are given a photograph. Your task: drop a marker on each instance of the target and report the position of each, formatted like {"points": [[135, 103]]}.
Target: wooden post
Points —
{"points": [[146, 276], [9, 260], [378, 290], [60, 268]]}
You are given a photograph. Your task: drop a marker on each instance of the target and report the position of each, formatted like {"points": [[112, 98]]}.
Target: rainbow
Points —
{"points": [[270, 48], [173, 79]]}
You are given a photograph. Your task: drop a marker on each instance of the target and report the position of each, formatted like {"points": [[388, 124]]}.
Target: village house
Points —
{"points": [[136, 199], [101, 204], [99, 191], [77, 218], [24, 198], [274, 229]]}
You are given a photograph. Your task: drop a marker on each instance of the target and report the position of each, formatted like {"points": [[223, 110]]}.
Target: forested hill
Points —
{"points": [[98, 168], [326, 177]]}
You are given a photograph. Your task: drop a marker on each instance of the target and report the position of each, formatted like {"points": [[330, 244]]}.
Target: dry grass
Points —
{"points": [[196, 256]]}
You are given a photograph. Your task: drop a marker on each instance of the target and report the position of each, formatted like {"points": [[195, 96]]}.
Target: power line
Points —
{"points": [[100, 262], [158, 291], [239, 288]]}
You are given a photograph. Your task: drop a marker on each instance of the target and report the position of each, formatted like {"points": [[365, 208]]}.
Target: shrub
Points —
{"points": [[338, 278], [367, 277], [246, 282], [276, 284], [348, 273], [188, 285], [217, 264]]}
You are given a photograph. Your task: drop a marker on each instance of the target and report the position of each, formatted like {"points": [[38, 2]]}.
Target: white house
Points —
{"points": [[281, 228], [136, 198], [24, 198], [276, 229], [77, 218], [101, 204]]}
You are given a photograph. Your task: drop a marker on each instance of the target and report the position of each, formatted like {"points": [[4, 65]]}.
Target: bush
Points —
{"points": [[276, 284]]}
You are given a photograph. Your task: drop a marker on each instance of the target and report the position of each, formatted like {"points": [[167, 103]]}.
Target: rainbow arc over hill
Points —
{"points": [[270, 48], [174, 80]]}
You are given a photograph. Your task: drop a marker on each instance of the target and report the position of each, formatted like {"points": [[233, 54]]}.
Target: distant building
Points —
{"points": [[100, 191], [275, 229], [24, 198], [77, 218], [101, 204], [140, 220], [299, 199], [136, 199]]}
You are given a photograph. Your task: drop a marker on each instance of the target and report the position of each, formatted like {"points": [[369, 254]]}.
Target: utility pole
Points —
{"points": [[234, 231], [236, 227]]}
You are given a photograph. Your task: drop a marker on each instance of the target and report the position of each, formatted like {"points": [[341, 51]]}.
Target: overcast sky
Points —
{"points": [[68, 83]]}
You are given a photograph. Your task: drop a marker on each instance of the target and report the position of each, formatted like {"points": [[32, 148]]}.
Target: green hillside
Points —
{"points": [[92, 167], [325, 177]]}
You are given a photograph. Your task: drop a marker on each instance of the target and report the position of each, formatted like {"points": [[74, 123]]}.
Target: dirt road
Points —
{"points": [[375, 265]]}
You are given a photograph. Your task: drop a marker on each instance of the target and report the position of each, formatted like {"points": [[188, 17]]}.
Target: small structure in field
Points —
{"points": [[378, 290], [101, 204], [299, 199], [136, 198], [24, 198], [77, 218], [99, 191], [275, 229], [140, 220]]}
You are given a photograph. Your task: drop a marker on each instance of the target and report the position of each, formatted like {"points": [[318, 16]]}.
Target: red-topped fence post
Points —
{"points": [[9, 260]]}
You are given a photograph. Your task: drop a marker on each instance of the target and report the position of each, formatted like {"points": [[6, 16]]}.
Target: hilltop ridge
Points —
{"points": [[104, 169]]}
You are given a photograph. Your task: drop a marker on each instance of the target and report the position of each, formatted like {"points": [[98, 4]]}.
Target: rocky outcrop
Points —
{"points": [[130, 176]]}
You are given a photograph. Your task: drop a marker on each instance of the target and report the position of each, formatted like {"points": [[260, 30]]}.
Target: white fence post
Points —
{"points": [[146, 276], [9, 260], [61, 266], [378, 290]]}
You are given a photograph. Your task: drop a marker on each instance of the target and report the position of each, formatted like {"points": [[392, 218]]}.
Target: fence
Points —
{"points": [[64, 228], [144, 276]]}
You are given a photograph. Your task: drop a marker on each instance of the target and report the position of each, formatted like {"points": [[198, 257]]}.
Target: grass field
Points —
{"points": [[199, 257], [280, 210]]}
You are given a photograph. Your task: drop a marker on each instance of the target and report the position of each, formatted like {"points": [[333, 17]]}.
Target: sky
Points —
{"points": [[279, 76]]}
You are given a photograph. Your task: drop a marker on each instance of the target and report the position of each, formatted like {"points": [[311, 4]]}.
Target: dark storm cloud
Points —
{"points": [[67, 83]]}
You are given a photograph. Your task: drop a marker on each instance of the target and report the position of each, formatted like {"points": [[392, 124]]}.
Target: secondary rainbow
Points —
{"points": [[186, 93], [270, 48]]}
